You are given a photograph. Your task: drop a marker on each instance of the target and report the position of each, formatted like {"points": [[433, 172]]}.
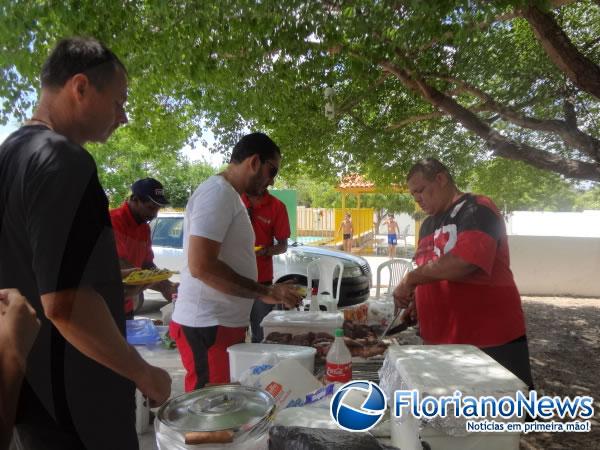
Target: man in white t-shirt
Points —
{"points": [[218, 283]]}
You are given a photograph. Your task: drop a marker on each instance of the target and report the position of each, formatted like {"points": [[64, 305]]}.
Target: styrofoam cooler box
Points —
{"points": [[142, 412], [242, 356], [440, 370], [299, 322]]}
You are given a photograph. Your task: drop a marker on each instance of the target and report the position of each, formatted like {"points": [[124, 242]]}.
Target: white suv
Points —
{"points": [[167, 244]]}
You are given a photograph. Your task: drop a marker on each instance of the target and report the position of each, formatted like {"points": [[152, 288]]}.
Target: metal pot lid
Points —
{"points": [[225, 407]]}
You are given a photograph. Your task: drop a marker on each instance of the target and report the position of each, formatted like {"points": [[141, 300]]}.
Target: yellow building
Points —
{"points": [[356, 185]]}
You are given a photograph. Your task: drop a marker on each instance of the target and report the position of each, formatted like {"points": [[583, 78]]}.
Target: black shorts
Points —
{"points": [[514, 355], [347, 236]]}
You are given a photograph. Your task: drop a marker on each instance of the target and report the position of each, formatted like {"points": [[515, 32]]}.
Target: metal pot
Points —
{"points": [[226, 416]]}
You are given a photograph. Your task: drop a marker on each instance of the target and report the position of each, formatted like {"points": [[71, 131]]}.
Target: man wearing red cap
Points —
{"points": [[132, 233]]}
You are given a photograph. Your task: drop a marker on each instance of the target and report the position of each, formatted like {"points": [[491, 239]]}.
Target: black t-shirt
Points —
{"points": [[56, 234]]}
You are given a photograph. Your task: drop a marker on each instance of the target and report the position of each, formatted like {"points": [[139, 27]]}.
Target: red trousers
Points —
{"points": [[203, 352]]}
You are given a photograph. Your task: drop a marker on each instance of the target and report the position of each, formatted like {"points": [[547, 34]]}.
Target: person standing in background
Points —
{"points": [[271, 225], [347, 230], [392, 235], [132, 234]]}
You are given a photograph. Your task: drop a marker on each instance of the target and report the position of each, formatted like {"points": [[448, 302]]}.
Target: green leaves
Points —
{"points": [[515, 186], [130, 155], [239, 65]]}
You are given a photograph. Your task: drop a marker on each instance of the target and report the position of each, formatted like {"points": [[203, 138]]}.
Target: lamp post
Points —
{"points": [[328, 93]]}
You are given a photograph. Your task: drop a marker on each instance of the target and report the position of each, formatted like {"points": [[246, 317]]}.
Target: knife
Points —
{"points": [[390, 329]]}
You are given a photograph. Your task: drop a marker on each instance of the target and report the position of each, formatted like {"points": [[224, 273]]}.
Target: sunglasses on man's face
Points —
{"points": [[273, 170]]}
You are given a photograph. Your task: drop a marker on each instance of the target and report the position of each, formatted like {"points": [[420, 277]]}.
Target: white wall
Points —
{"points": [[550, 265], [544, 223]]}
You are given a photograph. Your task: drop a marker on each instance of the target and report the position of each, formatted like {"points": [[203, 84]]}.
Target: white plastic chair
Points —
{"points": [[326, 268], [403, 235], [398, 268]]}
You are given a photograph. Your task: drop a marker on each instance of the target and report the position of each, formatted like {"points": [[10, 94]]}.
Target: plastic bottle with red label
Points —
{"points": [[339, 360]]}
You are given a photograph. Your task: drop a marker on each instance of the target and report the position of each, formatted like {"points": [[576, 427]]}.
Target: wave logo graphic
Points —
{"points": [[358, 406]]}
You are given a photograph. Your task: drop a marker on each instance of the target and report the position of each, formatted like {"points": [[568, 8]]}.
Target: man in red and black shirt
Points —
{"points": [[464, 290], [132, 233], [272, 229]]}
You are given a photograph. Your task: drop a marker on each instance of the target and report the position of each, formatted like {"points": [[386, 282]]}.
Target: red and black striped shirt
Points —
{"points": [[483, 309]]}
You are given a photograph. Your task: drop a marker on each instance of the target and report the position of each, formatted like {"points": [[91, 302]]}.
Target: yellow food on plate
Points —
{"points": [[301, 290], [147, 276]]}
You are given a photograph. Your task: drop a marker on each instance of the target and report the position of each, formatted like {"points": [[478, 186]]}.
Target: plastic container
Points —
{"points": [[440, 370], [356, 313], [166, 312], [300, 322], [242, 356], [162, 330], [338, 367], [142, 332], [380, 311], [289, 383]]}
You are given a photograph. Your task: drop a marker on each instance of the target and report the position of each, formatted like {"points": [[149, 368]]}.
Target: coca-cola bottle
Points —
{"points": [[339, 360]]}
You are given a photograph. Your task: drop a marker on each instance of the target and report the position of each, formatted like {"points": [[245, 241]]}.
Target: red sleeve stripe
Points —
{"points": [[477, 248]]}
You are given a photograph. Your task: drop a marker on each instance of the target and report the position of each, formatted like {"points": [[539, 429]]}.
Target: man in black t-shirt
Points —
{"points": [[57, 247]]}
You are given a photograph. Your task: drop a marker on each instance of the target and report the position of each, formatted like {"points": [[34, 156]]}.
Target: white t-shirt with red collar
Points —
{"points": [[215, 211]]}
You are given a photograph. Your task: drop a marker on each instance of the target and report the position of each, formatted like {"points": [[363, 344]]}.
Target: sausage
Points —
{"points": [[209, 437]]}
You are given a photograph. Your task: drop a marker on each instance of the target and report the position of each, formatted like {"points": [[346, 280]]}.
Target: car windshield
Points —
{"points": [[168, 232]]}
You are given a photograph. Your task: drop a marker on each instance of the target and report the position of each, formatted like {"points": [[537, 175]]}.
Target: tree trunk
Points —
{"points": [[501, 145], [379, 218], [583, 72], [567, 129]]}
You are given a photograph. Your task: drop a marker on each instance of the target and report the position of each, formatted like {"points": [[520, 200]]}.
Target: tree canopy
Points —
{"points": [[515, 186], [466, 81], [125, 159]]}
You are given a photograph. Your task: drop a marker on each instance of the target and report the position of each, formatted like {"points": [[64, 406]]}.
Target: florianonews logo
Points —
{"points": [[358, 406]]}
